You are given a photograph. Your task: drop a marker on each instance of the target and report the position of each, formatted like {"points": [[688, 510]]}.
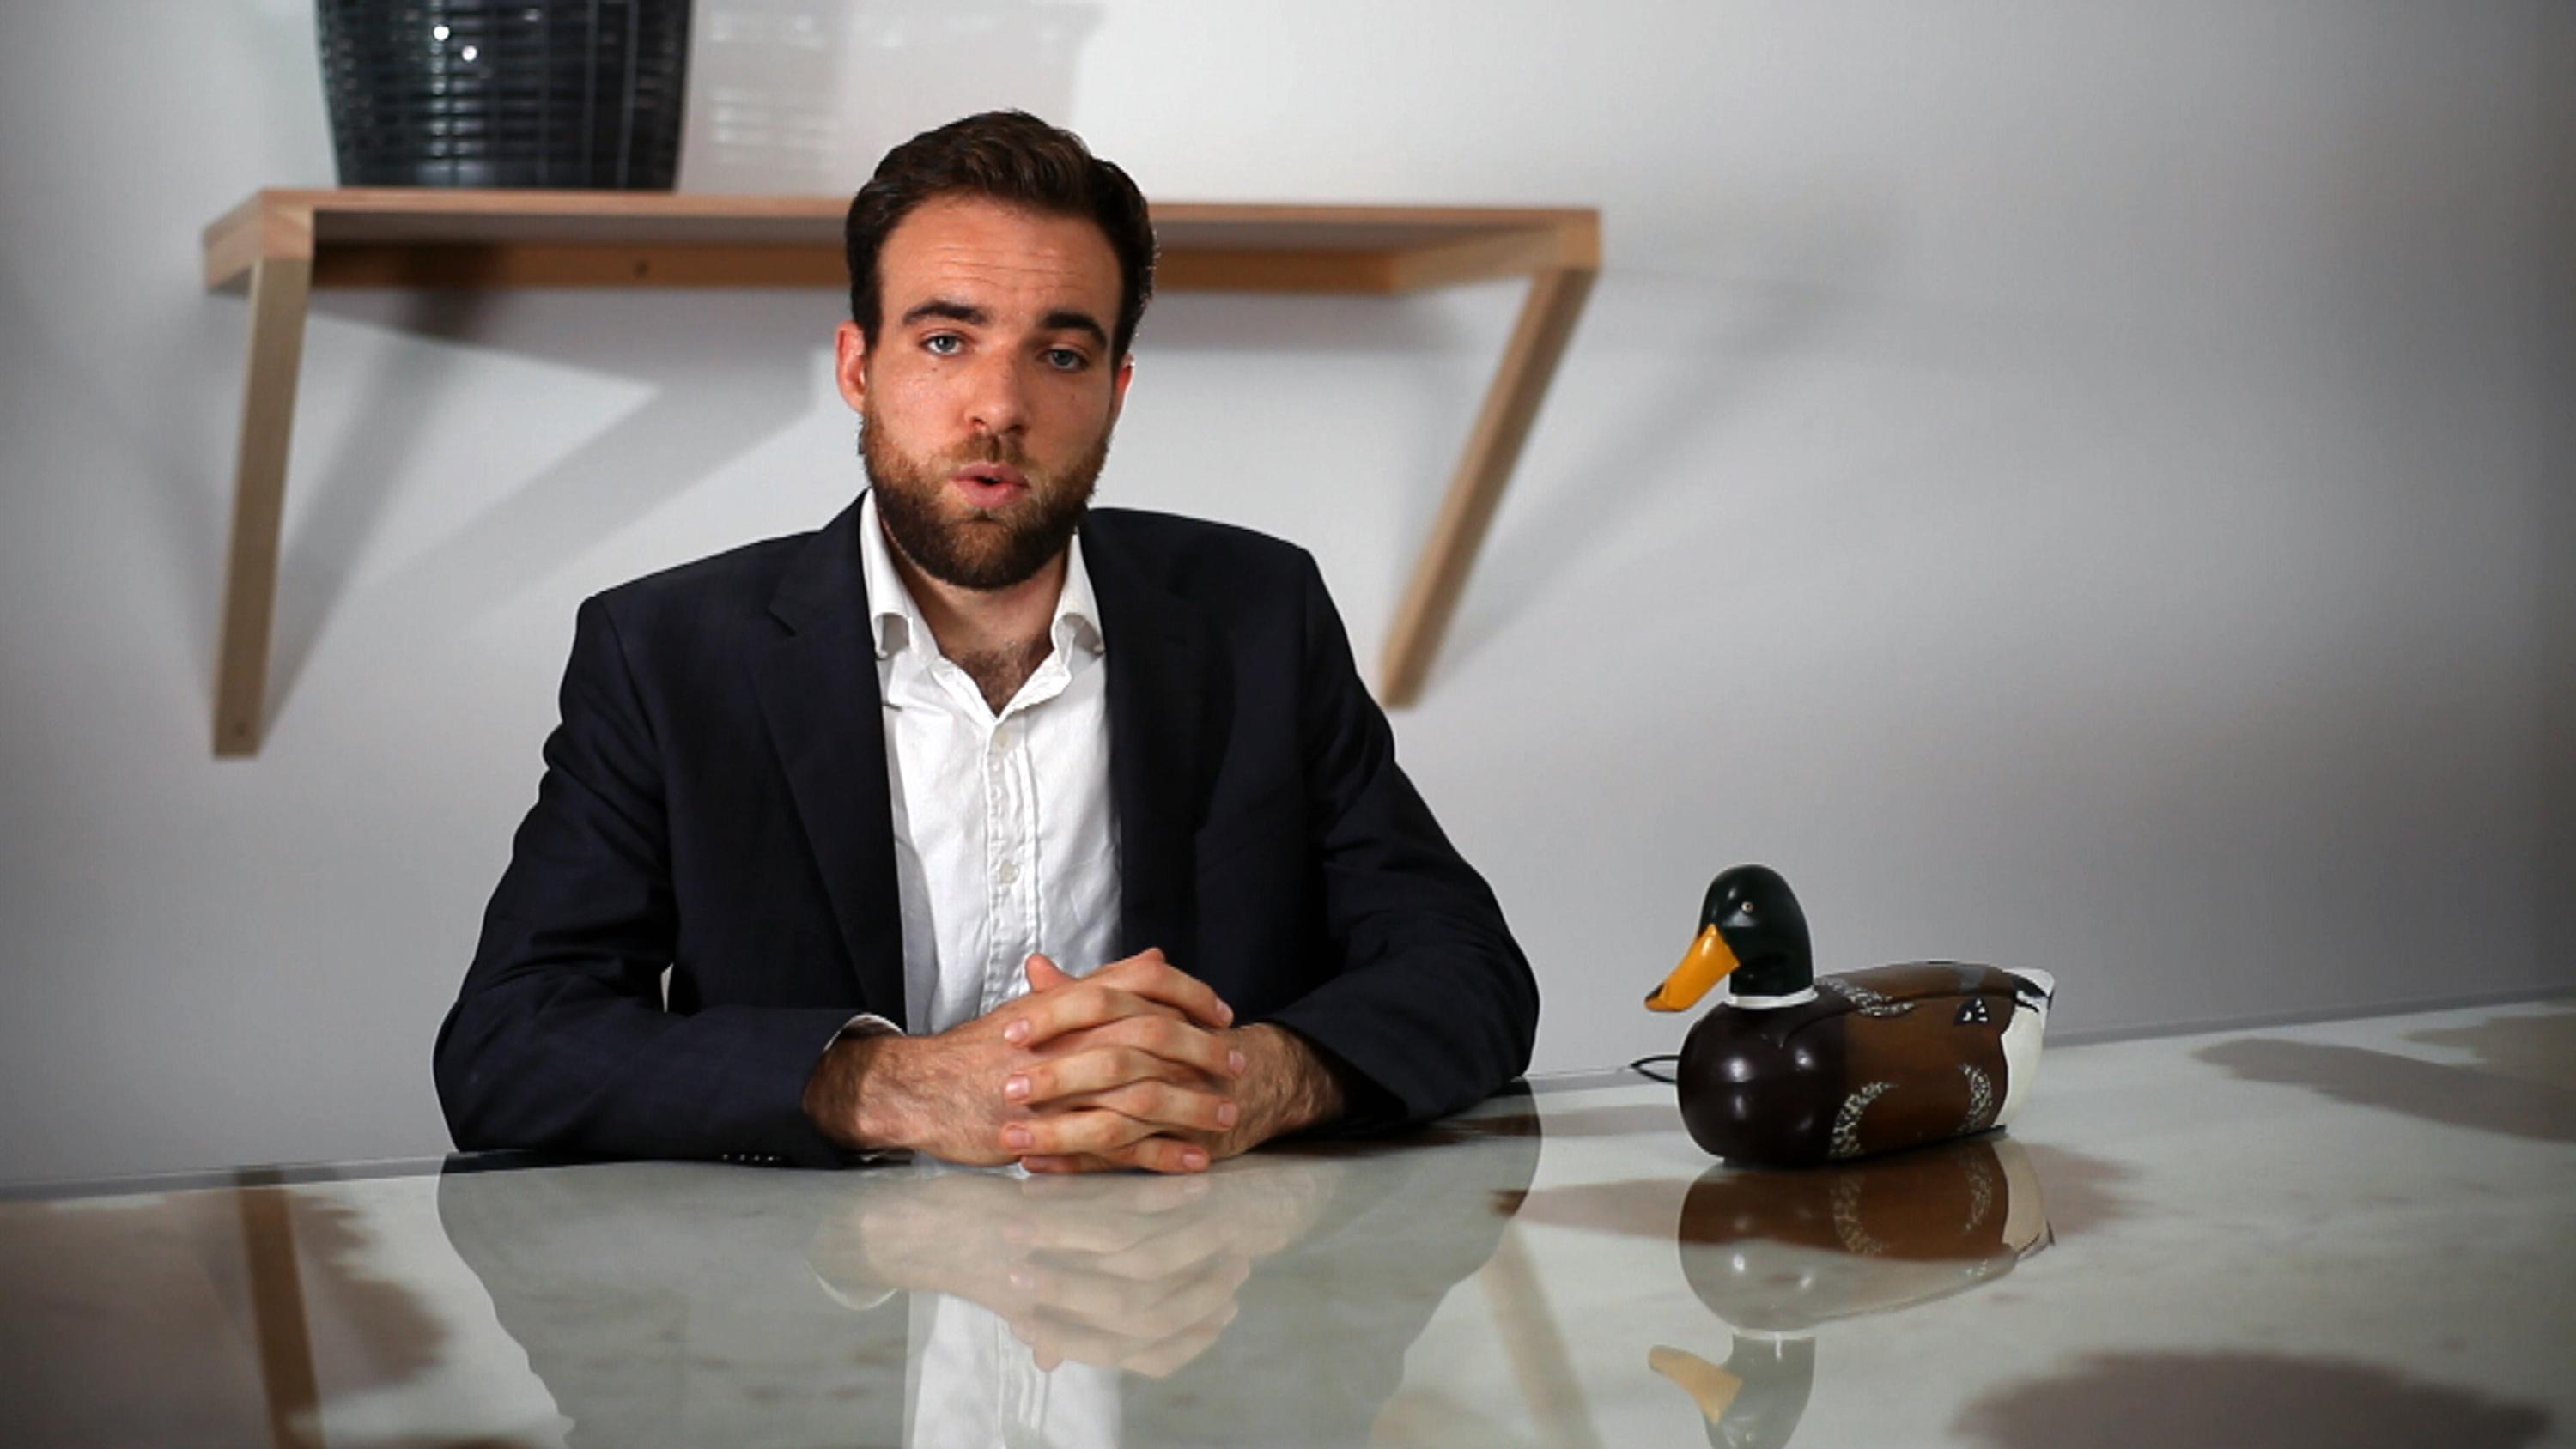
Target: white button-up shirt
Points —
{"points": [[1005, 841]]}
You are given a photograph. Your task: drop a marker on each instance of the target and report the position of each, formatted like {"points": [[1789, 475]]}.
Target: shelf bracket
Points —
{"points": [[1548, 314], [281, 282]]}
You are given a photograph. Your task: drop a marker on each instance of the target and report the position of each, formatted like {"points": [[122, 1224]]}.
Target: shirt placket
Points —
{"points": [[1010, 864]]}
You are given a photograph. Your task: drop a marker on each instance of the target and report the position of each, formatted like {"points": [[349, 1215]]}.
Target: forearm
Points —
{"points": [[566, 1065]]}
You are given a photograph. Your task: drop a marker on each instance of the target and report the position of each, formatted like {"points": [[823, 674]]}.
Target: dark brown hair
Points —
{"points": [[1014, 158]]}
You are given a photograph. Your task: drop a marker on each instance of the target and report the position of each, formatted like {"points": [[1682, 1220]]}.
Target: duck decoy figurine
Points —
{"points": [[1794, 1069]]}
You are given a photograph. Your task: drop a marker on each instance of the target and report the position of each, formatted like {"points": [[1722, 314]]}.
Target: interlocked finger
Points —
{"points": [[1138, 986], [1150, 975], [1132, 1346], [1163, 1106], [1173, 1251], [1104, 1063], [1073, 1132], [1132, 1309], [1155, 1153], [1162, 1360]]}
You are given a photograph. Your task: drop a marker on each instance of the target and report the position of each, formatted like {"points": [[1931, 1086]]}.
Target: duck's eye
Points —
{"points": [[1745, 910]]}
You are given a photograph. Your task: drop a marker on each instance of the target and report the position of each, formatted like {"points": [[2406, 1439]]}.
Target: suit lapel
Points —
{"points": [[1158, 655], [818, 690]]}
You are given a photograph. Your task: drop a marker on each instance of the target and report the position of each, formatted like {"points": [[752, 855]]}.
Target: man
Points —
{"points": [[978, 823]]}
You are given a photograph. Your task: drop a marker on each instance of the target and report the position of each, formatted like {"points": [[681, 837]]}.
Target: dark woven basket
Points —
{"points": [[571, 93]]}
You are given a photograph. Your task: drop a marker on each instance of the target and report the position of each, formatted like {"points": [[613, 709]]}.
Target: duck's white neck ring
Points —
{"points": [[1799, 997]]}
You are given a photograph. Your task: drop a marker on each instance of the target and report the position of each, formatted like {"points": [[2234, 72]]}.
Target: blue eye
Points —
{"points": [[943, 344], [1064, 359]]}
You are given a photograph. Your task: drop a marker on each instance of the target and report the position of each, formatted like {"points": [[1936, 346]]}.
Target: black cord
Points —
{"points": [[1640, 1064]]}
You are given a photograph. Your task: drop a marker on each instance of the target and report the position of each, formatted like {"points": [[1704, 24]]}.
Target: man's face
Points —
{"points": [[988, 394]]}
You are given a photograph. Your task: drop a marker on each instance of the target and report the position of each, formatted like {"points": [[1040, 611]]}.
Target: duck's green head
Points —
{"points": [[1750, 928]]}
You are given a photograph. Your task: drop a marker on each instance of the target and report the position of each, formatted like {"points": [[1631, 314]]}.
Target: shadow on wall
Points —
{"points": [[727, 372], [804, 95], [1724, 339], [131, 431]]}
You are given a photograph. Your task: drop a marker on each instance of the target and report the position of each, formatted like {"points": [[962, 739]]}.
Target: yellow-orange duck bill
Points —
{"points": [[1711, 1387], [1703, 966]]}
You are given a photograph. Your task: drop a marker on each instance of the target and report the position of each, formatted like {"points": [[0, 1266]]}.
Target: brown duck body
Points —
{"points": [[1879, 1060]]}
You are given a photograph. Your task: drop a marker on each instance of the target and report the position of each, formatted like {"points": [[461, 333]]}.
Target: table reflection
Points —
{"points": [[1777, 1254], [2314, 1265], [924, 1304]]}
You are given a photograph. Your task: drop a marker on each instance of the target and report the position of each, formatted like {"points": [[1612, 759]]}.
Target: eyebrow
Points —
{"points": [[950, 310], [1069, 321], [947, 310]]}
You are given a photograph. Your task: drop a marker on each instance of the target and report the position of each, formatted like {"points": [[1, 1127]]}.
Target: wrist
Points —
{"points": [[1297, 1086], [853, 1096]]}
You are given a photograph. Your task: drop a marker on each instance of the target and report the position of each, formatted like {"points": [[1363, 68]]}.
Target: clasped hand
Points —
{"points": [[1131, 1066]]}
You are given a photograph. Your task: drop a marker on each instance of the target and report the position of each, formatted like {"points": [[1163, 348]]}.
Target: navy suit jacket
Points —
{"points": [[715, 802]]}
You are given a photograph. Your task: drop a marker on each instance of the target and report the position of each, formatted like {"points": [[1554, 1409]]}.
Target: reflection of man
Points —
{"points": [[979, 823], [659, 1303], [1111, 1272], [1031, 1296]]}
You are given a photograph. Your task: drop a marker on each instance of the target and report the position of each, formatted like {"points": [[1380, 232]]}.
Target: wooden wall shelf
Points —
{"points": [[280, 245]]}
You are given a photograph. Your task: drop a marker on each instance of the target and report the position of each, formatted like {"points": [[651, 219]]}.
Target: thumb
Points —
{"points": [[1044, 973]]}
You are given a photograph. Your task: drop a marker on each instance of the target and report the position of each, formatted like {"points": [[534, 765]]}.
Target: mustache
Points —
{"points": [[991, 449]]}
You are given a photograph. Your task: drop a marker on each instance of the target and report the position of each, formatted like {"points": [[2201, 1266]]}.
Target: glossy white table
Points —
{"points": [[2358, 1233]]}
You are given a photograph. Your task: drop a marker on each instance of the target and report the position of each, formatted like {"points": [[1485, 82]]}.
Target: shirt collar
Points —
{"points": [[895, 619]]}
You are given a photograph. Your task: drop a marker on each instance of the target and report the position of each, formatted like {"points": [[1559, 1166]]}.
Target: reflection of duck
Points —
{"points": [[1776, 1254], [1796, 1069]]}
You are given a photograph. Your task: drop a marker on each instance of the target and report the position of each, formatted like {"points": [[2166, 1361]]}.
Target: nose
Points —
{"points": [[997, 401]]}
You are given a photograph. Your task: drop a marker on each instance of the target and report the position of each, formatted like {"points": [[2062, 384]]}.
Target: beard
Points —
{"points": [[976, 548]]}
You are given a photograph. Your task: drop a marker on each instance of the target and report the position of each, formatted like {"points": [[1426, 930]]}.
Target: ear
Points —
{"points": [[850, 365], [1118, 389]]}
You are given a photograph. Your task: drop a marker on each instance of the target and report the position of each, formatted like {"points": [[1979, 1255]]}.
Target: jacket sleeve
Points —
{"points": [[559, 1038], [1430, 1001]]}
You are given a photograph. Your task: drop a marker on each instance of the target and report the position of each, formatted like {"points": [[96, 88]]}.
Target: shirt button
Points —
{"points": [[1006, 872], [1004, 739]]}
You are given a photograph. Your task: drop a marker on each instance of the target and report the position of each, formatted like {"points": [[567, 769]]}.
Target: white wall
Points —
{"points": [[2083, 486], [2557, 51]]}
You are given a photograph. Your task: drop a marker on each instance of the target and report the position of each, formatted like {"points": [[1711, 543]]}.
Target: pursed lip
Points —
{"points": [[993, 474]]}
